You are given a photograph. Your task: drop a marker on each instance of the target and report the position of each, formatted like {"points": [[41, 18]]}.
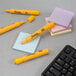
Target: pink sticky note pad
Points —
{"points": [[57, 28], [61, 17]]}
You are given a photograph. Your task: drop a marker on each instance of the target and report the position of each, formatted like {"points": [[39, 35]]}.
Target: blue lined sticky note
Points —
{"points": [[29, 47]]}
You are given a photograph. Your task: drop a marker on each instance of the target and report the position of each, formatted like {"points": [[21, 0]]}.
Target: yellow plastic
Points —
{"points": [[31, 56], [23, 11], [31, 18], [12, 26], [38, 32]]}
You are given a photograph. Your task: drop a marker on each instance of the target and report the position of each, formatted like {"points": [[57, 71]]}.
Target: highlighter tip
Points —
{"points": [[23, 42], [6, 10]]}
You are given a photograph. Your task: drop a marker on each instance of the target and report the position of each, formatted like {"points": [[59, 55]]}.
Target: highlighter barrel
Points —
{"points": [[38, 32], [11, 26], [23, 11], [31, 56]]}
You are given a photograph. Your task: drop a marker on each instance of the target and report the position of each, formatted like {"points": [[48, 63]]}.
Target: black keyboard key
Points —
{"points": [[71, 69], [66, 65], [68, 51], [64, 71], [69, 74], [54, 71], [60, 62], [74, 55], [67, 59], [57, 66], [72, 63], [63, 56], [75, 66], [49, 74], [74, 74]]}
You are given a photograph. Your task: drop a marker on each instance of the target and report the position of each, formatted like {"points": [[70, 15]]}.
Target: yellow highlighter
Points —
{"points": [[31, 56], [23, 11], [11, 26], [31, 18], [38, 32]]}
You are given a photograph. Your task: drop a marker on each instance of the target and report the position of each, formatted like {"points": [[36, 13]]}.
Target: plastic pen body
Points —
{"points": [[31, 56], [11, 26], [38, 32]]}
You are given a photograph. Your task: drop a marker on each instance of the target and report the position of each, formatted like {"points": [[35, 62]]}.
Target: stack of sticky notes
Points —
{"points": [[29, 47], [62, 19]]}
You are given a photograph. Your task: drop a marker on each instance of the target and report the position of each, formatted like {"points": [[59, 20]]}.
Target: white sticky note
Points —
{"points": [[61, 32], [29, 47]]}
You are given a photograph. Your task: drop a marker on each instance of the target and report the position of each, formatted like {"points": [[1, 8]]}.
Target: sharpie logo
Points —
{"points": [[17, 12], [35, 35], [42, 29], [26, 12]]}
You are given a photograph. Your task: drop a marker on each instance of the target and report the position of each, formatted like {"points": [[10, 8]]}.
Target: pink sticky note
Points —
{"points": [[57, 28], [61, 17]]}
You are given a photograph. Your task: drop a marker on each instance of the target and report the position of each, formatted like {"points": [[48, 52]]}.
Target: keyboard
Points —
{"points": [[64, 63]]}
